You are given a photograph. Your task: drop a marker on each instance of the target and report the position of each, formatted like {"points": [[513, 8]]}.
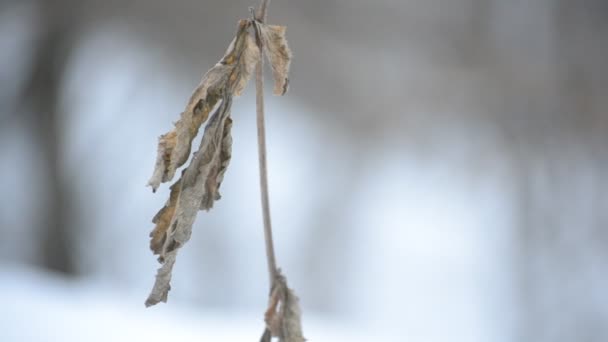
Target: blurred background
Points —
{"points": [[438, 171]]}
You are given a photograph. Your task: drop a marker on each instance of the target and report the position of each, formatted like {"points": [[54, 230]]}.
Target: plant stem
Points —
{"points": [[259, 101]]}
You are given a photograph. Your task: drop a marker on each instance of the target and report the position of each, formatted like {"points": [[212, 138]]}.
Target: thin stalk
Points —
{"points": [[259, 101]]}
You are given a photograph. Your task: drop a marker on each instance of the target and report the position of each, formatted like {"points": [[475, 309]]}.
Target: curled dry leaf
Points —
{"points": [[219, 166], [163, 281], [163, 218], [200, 178], [198, 188], [229, 75], [283, 316], [278, 53], [199, 182], [266, 336], [291, 328], [249, 58]]}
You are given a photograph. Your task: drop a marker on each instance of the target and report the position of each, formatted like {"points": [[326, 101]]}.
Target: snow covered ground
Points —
{"points": [[39, 307]]}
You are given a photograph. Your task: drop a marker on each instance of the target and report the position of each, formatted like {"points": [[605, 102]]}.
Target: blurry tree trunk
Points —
{"points": [[41, 98]]}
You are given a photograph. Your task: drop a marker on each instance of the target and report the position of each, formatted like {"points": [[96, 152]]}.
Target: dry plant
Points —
{"points": [[199, 184]]}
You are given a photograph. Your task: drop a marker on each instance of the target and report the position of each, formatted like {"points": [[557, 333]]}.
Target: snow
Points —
{"points": [[41, 307]]}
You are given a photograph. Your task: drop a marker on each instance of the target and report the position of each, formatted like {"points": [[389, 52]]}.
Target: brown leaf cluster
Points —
{"points": [[227, 78], [199, 184], [198, 187], [283, 316]]}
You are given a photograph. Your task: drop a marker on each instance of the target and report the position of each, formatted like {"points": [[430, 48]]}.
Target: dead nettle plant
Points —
{"points": [[199, 184]]}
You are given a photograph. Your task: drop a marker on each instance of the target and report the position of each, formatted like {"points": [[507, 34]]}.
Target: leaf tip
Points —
{"points": [[153, 185]]}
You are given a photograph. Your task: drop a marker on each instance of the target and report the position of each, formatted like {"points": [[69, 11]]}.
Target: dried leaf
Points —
{"points": [[272, 317], [163, 281], [216, 173], [283, 316], [247, 62], [278, 53], [291, 329], [198, 188], [174, 147], [266, 336], [163, 219], [195, 184], [229, 75], [199, 181]]}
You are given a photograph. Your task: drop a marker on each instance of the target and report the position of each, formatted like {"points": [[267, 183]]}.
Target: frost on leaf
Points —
{"points": [[228, 76], [283, 314], [278, 53], [199, 183]]}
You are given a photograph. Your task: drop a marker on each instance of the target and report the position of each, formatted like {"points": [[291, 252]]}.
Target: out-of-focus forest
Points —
{"points": [[438, 170]]}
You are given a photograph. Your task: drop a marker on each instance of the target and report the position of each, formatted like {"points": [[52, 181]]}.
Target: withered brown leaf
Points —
{"points": [[162, 284], [199, 182], [216, 173], [278, 53], [283, 316], [163, 219], [229, 75], [248, 60], [198, 188], [291, 329]]}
